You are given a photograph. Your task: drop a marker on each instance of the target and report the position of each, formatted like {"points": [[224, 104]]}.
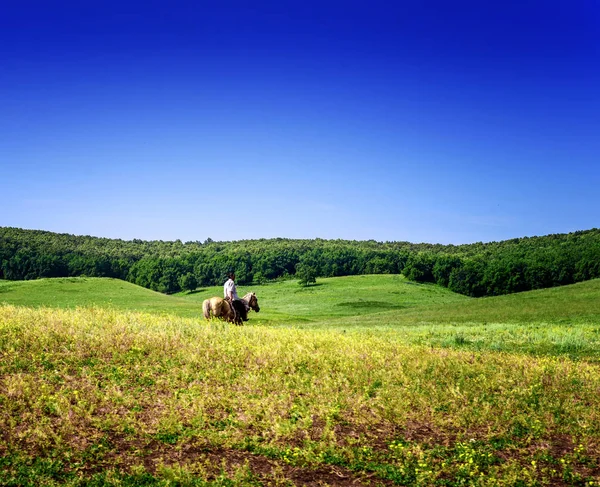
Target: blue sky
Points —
{"points": [[422, 121]]}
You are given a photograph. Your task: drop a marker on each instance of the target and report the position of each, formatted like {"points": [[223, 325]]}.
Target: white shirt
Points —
{"points": [[229, 287]]}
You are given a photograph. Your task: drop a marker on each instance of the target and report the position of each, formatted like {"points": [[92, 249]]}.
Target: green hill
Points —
{"points": [[282, 303], [369, 300], [93, 291], [557, 321], [575, 303]]}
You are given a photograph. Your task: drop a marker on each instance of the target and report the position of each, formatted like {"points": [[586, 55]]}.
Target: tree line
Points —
{"points": [[479, 269], [524, 265]]}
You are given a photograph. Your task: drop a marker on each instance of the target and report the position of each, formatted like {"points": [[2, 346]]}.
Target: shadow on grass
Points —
{"points": [[375, 305], [302, 287], [196, 291]]}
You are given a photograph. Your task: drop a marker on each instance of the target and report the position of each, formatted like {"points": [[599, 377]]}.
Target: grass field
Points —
{"points": [[285, 302], [84, 292], [364, 380], [561, 321]]}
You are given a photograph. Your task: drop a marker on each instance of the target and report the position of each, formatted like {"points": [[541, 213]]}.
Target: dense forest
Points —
{"points": [[479, 269]]}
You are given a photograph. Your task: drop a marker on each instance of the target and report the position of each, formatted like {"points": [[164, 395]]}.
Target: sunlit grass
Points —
{"points": [[107, 396], [282, 302], [561, 321], [92, 291], [369, 379], [354, 300]]}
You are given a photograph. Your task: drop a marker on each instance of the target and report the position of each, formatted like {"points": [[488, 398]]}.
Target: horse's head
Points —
{"points": [[253, 302]]}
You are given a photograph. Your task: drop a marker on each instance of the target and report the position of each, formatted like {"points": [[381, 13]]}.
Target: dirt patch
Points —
{"points": [[268, 469], [213, 462]]}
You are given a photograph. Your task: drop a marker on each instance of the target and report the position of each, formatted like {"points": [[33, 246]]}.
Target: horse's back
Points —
{"points": [[215, 306]]}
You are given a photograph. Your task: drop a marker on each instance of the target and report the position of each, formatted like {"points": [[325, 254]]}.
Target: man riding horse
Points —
{"points": [[231, 308]]}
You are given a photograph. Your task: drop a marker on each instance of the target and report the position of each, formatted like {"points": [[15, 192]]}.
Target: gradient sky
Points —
{"points": [[422, 121]]}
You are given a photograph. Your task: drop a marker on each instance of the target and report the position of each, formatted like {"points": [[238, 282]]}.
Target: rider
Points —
{"points": [[230, 292], [229, 289]]}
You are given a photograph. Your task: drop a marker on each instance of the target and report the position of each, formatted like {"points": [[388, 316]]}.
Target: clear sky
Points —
{"points": [[420, 121]]}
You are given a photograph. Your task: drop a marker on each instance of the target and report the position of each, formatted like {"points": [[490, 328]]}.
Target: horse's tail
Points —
{"points": [[206, 308]]}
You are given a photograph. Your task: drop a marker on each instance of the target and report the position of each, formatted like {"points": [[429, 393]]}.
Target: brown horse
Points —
{"points": [[220, 308]]}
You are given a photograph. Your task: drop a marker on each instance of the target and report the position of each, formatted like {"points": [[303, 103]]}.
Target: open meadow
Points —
{"points": [[361, 380]]}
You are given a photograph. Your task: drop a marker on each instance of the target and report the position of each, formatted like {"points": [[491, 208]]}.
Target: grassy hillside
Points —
{"points": [[81, 291], [367, 300], [575, 303], [561, 321], [389, 297], [287, 303], [282, 303], [104, 397]]}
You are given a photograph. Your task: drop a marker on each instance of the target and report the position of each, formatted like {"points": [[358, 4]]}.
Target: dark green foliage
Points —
{"points": [[188, 282], [306, 274], [443, 267], [419, 267], [158, 265], [476, 269], [467, 279], [306, 270]]}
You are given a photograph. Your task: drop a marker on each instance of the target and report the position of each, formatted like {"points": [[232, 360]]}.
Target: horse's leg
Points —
{"points": [[235, 317], [208, 309], [227, 312]]}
